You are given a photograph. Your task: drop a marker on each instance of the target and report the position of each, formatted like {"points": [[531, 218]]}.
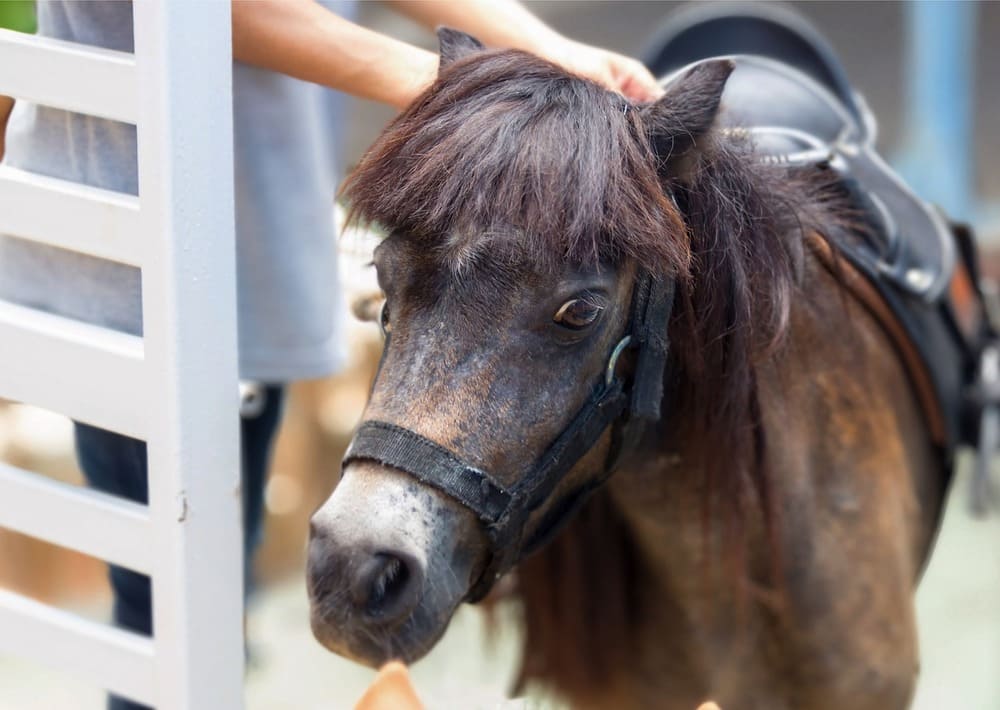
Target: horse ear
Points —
{"points": [[676, 121], [454, 45]]}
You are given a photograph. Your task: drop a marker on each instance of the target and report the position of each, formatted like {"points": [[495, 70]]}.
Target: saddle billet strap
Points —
{"points": [[973, 311], [863, 288]]}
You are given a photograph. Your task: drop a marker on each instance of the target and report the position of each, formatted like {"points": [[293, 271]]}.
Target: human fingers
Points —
{"points": [[634, 80]]}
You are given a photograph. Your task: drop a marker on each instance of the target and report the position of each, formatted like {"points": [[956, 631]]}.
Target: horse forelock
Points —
{"points": [[509, 155]]}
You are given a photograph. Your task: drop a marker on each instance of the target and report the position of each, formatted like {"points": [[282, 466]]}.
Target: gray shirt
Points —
{"points": [[285, 135]]}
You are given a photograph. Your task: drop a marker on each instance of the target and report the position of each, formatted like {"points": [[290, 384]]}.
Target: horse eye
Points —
{"points": [[383, 318], [577, 313]]}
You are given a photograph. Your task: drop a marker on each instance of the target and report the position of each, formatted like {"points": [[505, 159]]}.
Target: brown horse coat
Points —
{"points": [[762, 544]]}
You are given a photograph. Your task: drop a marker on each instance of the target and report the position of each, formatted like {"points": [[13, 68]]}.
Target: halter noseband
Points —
{"points": [[504, 511]]}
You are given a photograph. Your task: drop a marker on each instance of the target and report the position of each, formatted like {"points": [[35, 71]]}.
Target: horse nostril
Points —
{"points": [[387, 586], [388, 579]]}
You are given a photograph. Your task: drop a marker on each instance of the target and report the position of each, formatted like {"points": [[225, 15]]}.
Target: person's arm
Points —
{"points": [[305, 40], [507, 23], [6, 106], [498, 23]]}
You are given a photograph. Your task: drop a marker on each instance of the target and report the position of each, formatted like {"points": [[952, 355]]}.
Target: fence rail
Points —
{"points": [[77, 518], [120, 661], [91, 374], [90, 80], [65, 214]]}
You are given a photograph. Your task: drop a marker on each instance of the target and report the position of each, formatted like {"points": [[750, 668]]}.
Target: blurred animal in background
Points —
{"points": [[722, 298]]}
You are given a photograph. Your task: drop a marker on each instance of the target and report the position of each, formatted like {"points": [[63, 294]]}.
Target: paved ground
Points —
{"points": [[958, 608], [959, 618]]}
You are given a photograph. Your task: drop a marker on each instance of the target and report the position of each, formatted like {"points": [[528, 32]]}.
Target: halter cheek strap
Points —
{"points": [[504, 512]]}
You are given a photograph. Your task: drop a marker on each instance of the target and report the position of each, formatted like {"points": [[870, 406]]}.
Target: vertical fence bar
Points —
{"points": [[184, 62]]}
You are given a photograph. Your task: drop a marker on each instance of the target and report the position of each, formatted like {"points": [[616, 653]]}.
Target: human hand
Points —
{"points": [[616, 72]]}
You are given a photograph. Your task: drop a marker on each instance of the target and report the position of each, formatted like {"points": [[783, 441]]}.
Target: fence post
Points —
{"points": [[184, 65]]}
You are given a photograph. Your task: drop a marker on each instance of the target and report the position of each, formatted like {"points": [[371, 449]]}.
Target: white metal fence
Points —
{"points": [[175, 388]]}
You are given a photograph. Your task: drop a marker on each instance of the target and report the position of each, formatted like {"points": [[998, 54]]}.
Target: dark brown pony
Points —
{"points": [[761, 545]]}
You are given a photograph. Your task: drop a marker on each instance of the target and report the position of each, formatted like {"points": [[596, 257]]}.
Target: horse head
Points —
{"points": [[533, 247]]}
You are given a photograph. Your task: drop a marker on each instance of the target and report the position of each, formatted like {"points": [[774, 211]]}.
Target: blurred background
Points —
{"points": [[959, 599]]}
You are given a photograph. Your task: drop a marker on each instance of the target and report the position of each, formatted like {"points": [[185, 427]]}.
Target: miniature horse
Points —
{"points": [[759, 544]]}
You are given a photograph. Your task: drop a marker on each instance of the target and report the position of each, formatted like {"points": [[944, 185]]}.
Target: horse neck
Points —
{"points": [[848, 453], [837, 411]]}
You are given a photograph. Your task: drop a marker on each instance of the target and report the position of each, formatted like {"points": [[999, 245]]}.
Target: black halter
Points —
{"points": [[504, 511]]}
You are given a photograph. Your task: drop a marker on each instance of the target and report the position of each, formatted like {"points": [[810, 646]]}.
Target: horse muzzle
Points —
{"points": [[389, 561]]}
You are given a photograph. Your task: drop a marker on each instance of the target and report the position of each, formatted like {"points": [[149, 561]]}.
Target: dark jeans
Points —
{"points": [[117, 464]]}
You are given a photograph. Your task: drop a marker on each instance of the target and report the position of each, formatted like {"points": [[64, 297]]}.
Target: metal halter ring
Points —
{"points": [[609, 373]]}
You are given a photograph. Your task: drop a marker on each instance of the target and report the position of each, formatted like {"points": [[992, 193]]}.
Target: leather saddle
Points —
{"points": [[790, 93]]}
